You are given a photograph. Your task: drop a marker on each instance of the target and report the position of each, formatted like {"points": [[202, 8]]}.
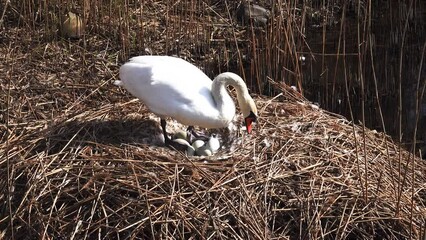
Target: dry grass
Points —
{"points": [[79, 163], [92, 174]]}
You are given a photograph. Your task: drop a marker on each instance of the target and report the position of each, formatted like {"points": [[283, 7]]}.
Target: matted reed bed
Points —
{"points": [[80, 158], [303, 174]]}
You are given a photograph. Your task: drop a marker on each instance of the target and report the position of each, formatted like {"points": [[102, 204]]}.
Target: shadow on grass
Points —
{"points": [[78, 134]]}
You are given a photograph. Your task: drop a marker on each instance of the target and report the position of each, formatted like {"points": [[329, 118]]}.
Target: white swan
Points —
{"points": [[173, 87]]}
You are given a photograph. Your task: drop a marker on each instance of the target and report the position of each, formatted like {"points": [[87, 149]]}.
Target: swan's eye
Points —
{"points": [[252, 116]]}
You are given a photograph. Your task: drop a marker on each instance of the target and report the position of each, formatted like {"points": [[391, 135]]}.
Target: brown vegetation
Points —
{"points": [[78, 161]]}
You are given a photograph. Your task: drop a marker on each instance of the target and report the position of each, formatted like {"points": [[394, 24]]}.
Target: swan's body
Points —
{"points": [[172, 87]]}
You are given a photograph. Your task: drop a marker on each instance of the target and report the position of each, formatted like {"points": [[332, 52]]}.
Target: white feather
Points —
{"points": [[172, 87]]}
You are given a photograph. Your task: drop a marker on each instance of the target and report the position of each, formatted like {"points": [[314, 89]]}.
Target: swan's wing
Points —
{"points": [[169, 86]]}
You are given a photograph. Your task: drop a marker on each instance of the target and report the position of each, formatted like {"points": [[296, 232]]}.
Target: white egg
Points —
{"points": [[190, 151], [203, 151], [181, 141], [197, 144], [180, 135], [213, 143]]}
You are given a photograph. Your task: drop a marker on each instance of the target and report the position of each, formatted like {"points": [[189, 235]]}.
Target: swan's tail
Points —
{"points": [[118, 83]]}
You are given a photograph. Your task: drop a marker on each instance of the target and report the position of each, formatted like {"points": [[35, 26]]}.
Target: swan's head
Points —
{"points": [[248, 107]]}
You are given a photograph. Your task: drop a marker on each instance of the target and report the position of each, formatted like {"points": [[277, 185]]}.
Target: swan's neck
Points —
{"points": [[224, 102]]}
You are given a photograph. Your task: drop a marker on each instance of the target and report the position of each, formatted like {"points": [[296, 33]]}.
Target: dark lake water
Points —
{"points": [[381, 66]]}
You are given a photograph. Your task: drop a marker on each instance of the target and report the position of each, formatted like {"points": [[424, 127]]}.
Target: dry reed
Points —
{"points": [[299, 176], [79, 161]]}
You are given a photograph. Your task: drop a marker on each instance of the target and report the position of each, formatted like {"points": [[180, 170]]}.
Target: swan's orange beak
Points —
{"points": [[249, 120]]}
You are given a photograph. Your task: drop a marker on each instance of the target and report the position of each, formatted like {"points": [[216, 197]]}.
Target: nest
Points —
{"points": [[303, 174]]}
